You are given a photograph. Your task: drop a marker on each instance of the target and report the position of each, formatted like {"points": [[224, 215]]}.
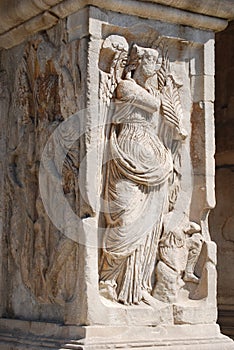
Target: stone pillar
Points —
{"points": [[222, 219], [108, 175]]}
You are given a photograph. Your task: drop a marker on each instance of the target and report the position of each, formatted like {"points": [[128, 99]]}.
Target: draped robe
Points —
{"points": [[136, 194]]}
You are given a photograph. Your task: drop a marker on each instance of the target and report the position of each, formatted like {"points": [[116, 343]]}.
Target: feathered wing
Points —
{"points": [[107, 87], [111, 63]]}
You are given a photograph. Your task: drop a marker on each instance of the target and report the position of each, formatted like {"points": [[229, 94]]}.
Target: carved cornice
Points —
{"points": [[214, 8], [21, 18]]}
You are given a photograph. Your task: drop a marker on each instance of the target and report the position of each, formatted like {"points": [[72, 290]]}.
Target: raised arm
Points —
{"points": [[130, 91]]}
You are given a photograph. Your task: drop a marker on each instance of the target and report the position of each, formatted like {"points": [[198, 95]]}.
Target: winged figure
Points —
{"points": [[143, 172]]}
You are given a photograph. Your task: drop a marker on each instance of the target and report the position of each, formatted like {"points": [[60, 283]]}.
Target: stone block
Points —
{"points": [[108, 178]]}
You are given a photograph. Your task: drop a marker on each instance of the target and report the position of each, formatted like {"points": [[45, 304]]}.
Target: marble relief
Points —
{"points": [[142, 238]]}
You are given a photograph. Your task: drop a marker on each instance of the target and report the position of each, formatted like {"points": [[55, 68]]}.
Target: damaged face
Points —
{"points": [[148, 64], [146, 60]]}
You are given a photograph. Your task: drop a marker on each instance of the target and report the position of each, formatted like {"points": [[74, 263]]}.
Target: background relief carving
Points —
{"points": [[47, 90]]}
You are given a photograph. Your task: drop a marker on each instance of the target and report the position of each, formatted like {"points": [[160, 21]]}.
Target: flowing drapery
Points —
{"points": [[136, 194]]}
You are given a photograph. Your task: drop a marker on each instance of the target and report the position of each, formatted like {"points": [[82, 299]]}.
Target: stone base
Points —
{"points": [[21, 335]]}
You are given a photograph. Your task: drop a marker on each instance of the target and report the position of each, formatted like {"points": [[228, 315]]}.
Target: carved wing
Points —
{"points": [[108, 85], [113, 56]]}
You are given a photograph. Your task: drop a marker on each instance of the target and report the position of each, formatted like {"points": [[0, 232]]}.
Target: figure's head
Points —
{"points": [[145, 60]]}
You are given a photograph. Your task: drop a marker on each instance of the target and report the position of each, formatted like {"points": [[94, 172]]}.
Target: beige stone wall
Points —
{"points": [[41, 85], [72, 274], [222, 217]]}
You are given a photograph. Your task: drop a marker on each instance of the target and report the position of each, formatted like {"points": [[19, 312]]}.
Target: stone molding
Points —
{"points": [[23, 18], [214, 8], [54, 336]]}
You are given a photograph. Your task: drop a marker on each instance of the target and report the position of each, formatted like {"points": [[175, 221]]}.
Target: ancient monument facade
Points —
{"points": [[107, 156]]}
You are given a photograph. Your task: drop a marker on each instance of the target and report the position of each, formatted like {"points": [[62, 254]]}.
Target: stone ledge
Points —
{"points": [[214, 8], [21, 335], [15, 12], [17, 35], [20, 15]]}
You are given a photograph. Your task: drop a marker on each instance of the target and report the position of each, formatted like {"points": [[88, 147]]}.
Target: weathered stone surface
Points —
{"points": [[221, 219], [15, 12], [14, 15], [108, 162], [46, 82], [53, 336], [216, 8], [17, 35]]}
